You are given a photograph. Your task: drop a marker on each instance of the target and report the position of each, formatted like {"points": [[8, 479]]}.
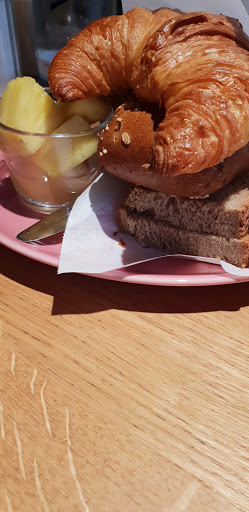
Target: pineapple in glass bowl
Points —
{"points": [[50, 147]]}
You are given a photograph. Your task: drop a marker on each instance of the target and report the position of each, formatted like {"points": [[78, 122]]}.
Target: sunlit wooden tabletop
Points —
{"points": [[120, 397]]}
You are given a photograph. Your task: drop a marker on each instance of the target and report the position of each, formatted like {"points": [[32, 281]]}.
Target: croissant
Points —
{"points": [[195, 66]]}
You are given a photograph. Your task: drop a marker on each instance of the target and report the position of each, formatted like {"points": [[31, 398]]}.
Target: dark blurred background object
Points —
{"points": [[43, 27]]}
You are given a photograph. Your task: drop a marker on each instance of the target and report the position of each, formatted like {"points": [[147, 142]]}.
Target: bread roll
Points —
{"points": [[126, 150]]}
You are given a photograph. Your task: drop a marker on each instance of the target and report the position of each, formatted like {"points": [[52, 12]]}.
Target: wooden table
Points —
{"points": [[119, 397]]}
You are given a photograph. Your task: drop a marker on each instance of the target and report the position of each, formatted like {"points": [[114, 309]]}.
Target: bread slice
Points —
{"points": [[151, 232], [214, 227], [224, 213]]}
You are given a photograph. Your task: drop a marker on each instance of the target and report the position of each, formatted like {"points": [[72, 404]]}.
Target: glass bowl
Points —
{"points": [[54, 169]]}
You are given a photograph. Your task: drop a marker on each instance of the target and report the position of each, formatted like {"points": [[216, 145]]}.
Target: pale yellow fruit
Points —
{"points": [[26, 106], [58, 155], [93, 110]]}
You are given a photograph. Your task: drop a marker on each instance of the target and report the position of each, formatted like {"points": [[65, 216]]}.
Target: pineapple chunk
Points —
{"points": [[92, 110], [58, 155], [26, 106]]}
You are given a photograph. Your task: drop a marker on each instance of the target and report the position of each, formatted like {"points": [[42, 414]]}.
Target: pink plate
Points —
{"points": [[171, 271]]}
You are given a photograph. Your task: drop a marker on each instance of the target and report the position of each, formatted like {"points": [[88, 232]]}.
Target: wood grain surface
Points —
{"points": [[120, 397]]}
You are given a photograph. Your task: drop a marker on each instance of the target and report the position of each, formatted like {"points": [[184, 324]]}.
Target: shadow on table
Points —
{"points": [[78, 294]]}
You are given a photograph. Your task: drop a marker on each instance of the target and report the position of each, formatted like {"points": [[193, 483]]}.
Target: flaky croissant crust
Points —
{"points": [[196, 65]]}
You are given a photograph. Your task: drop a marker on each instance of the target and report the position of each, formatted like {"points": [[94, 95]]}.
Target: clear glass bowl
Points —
{"points": [[47, 177]]}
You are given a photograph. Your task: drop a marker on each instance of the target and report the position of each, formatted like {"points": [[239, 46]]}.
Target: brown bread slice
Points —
{"points": [[151, 232], [224, 213]]}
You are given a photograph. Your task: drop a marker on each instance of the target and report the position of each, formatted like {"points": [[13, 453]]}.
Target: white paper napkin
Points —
{"points": [[92, 242]]}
